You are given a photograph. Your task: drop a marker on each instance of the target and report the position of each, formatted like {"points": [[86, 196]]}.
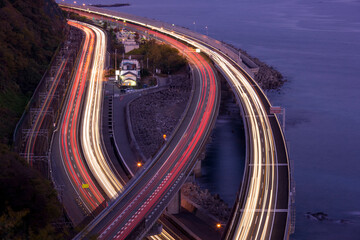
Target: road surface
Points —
{"points": [[145, 199], [262, 210]]}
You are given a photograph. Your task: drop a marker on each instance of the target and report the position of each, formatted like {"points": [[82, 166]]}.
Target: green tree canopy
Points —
{"points": [[161, 56]]}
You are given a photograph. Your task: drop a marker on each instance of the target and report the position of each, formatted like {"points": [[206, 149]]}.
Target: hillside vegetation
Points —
{"points": [[28, 203], [30, 33]]}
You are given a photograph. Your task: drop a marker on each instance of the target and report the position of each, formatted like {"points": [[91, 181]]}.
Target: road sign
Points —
{"points": [[85, 185]]}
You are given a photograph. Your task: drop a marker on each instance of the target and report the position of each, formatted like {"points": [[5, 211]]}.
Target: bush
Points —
{"points": [[161, 56]]}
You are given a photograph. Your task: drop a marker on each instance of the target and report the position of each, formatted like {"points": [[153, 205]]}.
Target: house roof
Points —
{"points": [[127, 73]]}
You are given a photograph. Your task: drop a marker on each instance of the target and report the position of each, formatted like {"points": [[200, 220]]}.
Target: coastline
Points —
{"points": [[268, 77], [110, 5]]}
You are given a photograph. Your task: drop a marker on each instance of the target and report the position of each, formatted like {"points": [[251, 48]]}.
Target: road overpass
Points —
{"points": [[80, 118], [262, 209], [169, 169]]}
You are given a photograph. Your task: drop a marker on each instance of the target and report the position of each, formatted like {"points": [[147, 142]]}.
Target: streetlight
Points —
{"points": [[194, 26], [139, 164], [207, 33], [218, 225]]}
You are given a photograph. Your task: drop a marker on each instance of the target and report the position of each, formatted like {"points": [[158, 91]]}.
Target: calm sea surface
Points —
{"points": [[316, 45]]}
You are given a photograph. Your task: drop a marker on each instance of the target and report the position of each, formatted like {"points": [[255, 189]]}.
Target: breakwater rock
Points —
{"points": [[323, 217], [158, 113], [267, 76]]}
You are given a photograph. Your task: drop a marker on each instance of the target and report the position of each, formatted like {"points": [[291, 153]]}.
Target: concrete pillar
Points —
{"points": [[156, 229], [175, 204], [197, 168]]}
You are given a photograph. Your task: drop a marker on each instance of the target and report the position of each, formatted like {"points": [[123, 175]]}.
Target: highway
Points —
{"points": [[259, 213], [83, 158], [82, 169], [262, 210], [91, 140], [149, 194], [70, 147]]}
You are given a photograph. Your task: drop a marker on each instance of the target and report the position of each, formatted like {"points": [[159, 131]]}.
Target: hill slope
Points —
{"points": [[29, 34]]}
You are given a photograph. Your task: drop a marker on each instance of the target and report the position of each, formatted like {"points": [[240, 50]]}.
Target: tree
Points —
{"points": [[161, 56], [28, 202]]}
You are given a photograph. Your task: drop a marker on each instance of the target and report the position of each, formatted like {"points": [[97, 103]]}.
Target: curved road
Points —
{"points": [[259, 213], [145, 199]]}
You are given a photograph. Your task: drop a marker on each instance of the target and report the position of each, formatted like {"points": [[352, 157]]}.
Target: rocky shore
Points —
{"points": [[323, 217], [267, 77], [213, 204], [156, 114]]}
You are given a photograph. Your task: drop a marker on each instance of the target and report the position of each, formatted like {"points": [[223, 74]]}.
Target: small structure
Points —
{"points": [[130, 44], [123, 34], [130, 72], [128, 39]]}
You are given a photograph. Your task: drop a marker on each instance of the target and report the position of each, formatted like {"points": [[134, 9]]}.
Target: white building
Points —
{"points": [[130, 72]]}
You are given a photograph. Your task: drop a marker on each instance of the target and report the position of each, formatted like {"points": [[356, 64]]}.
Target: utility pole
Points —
{"points": [[115, 59]]}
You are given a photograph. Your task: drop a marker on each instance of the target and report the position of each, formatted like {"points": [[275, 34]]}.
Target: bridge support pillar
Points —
{"points": [[197, 168], [156, 229], [174, 206]]}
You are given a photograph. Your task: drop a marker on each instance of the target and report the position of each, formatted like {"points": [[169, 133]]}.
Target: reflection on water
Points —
{"points": [[223, 166]]}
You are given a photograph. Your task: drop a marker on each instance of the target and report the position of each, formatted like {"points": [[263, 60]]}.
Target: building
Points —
{"points": [[123, 34], [128, 39], [129, 72]]}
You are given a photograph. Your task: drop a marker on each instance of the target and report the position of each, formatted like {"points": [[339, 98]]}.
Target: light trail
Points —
{"points": [[70, 147], [91, 119], [91, 123], [257, 213], [263, 156], [262, 151], [169, 170]]}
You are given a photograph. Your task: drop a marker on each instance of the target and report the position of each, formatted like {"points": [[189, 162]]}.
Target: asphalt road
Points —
{"points": [[147, 196], [262, 210], [69, 170]]}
